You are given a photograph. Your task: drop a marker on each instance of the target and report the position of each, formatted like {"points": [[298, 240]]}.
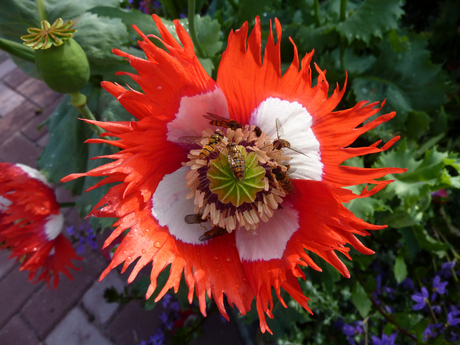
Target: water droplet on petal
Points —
{"points": [[228, 259], [143, 251], [157, 244]]}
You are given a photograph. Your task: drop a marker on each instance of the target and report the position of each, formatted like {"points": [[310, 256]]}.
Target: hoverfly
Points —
{"points": [[279, 143], [236, 161], [257, 131], [220, 121], [215, 231], [195, 218], [214, 140], [285, 182]]}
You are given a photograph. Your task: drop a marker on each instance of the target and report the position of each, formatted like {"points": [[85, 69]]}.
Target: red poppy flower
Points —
{"points": [[31, 224], [206, 158]]}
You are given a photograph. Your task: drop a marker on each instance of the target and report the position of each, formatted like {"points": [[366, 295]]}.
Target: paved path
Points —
{"points": [[76, 313]]}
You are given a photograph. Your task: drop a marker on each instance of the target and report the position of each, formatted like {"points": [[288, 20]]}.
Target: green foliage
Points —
{"points": [[386, 49], [371, 19]]}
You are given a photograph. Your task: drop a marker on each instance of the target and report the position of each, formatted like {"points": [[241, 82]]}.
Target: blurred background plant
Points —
{"points": [[407, 52]]}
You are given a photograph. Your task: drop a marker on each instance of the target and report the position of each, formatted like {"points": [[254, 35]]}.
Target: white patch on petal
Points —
{"points": [[189, 120], [269, 240], [53, 226], [296, 122], [4, 203], [33, 173], [169, 207]]}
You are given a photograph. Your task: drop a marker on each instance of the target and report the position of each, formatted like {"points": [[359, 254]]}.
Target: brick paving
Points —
{"points": [[76, 313]]}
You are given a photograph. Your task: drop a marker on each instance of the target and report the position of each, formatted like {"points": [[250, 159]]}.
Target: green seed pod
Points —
{"points": [[60, 60]]}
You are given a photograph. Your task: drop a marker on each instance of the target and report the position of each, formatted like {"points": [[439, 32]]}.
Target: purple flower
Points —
{"points": [[446, 269], [353, 330], [166, 300], [164, 317], [71, 230], [175, 306], [420, 299], [430, 332], [407, 284], [385, 340], [350, 331], [436, 309], [438, 287], [158, 338], [452, 320]]}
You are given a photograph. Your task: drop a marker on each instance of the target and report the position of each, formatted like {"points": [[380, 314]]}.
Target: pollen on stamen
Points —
{"points": [[238, 195]]}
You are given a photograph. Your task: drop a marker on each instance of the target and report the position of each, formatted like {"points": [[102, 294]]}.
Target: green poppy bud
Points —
{"points": [[60, 60]]}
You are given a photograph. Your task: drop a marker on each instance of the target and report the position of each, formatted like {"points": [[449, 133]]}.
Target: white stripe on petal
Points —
{"points": [[296, 122], [4, 203], [33, 173], [189, 120], [169, 207], [53, 226], [269, 240]]}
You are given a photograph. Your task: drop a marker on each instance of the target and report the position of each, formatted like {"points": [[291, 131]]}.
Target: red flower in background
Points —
{"points": [[31, 224], [186, 173]]}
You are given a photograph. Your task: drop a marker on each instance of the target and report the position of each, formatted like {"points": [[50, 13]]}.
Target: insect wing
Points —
{"points": [[214, 117], [279, 128], [214, 232], [297, 150], [192, 219], [190, 139]]}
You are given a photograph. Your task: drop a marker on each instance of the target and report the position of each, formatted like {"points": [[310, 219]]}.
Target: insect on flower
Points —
{"points": [[220, 121], [285, 182], [214, 232], [265, 231], [279, 143], [236, 161]]}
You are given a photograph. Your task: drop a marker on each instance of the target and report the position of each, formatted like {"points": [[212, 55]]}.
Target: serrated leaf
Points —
{"points": [[422, 175], [372, 19], [407, 80], [209, 35], [400, 269], [16, 17], [131, 17], [360, 300], [69, 9], [98, 36]]}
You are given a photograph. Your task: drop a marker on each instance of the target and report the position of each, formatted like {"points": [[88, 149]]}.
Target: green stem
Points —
{"points": [[41, 9], [343, 10], [17, 49], [78, 100], [431, 310], [191, 27], [316, 7]]}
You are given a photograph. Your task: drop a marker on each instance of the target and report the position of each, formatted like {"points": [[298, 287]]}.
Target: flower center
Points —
{"points": [[237, 178]]}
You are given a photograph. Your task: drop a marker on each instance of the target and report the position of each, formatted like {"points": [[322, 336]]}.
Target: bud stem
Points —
{"points": [[17, 49], [191, 27], [41, 9], [78, 100]]}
